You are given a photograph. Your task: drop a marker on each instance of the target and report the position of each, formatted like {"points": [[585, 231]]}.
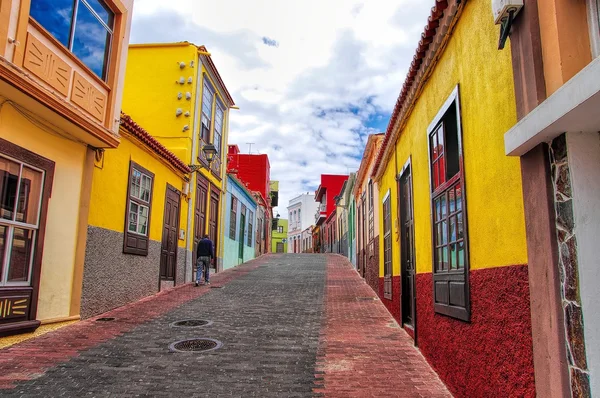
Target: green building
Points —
{"points": [[279, 236]]}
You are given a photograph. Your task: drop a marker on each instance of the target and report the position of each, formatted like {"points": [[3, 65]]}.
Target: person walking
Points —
{"points": [[204, 255]]}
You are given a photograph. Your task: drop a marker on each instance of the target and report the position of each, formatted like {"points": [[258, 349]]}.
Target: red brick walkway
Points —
{"points": [[31, 358], [362, 351]]}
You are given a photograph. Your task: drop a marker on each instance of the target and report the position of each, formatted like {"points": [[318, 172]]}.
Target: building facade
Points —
{"points": [[136, 225], [59, 107], [330, 187], [555, 48], [301, 215], [279, 238], [367, 216], [186, 108], [345, 218], [306, 239], [240, 239], [451, 209]]}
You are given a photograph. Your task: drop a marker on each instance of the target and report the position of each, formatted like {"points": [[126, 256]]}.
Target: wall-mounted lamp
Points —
{"points": [[209, 151]]}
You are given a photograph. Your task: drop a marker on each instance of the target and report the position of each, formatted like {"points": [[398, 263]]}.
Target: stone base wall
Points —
{"points": [[111, 278]]}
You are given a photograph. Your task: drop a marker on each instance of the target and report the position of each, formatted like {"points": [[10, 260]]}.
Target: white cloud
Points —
{"points": [[308, 76]]}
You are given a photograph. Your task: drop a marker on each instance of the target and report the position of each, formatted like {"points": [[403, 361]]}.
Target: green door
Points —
{"points": [[242, 232]]}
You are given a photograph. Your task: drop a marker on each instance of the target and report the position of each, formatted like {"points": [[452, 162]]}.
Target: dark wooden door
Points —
{"points": [[168, 252], [407, 259], [242, 233], [200, 210], [213, 220], [365, 243]]}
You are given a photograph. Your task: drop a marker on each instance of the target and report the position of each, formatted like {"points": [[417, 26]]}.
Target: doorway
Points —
{"points": [[242, 233], [213, 221], [200, 210], [168, 252], [407, 257], [279, 248]]}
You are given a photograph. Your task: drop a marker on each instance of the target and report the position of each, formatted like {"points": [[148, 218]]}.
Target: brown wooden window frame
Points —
{"points": [[451, 290], [387, 246], [233, 218], [137, 237], [250, 226]]}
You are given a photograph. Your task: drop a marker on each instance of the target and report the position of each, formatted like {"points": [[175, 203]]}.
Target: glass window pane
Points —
{"points": [[9, 175], [453, 229], [438, 237], [133, 216], [453, 264], [135, 184], [91, 41], [143, 220], [20, 255], [440, 139], [102, 10], [445, 258], [55, 16], [443, 205], [460, 233], [438, 209], [3, 233], [29, 196], [217, 142], [451, 202], [461, 254], [458, 196], [432, 143], [436, 175], [444, 240]]}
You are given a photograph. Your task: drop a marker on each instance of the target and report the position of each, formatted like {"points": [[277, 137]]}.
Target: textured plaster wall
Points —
{"points": [[493, 188], [58, 259], [393, 305], [492, 355], [111, 278]]}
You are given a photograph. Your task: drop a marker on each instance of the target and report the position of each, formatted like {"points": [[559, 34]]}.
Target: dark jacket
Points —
{"points": [[205, 248]]}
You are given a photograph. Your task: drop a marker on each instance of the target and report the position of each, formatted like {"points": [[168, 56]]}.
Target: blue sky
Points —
{"points": [[312, 79]]}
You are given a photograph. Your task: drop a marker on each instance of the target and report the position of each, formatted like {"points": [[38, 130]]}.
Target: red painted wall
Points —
{"points": [[252, 170], [492, 356], [333, 183]]}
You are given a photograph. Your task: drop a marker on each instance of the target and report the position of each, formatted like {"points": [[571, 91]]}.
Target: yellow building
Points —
{"points": [[137, 222], [59, 107], [175, 91], [452, 230]]}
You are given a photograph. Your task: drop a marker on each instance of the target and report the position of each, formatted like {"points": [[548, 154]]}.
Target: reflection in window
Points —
{"points": [[20, 255], [83, 26]]}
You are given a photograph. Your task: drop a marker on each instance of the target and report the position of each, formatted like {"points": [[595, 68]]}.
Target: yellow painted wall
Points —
{"points": [[150, 98], [63, 209], [493, 184], [109, 188]]}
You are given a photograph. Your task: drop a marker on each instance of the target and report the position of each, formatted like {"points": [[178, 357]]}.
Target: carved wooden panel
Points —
{"points": [[47, 65], [88, 97]]}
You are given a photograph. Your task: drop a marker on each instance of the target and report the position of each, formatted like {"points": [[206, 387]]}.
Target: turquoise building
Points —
{"points": [[240, 224]]}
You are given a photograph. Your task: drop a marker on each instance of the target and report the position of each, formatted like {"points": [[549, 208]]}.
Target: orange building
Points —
{"points": [[60, 104]]}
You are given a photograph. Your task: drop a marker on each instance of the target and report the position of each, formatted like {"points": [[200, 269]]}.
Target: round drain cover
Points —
{"points": [[107, 319], [195, 345], [191, 323]]}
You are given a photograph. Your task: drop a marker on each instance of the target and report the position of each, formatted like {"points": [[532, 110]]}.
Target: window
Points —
{"points": [[450, 268], [299, 225], [219, 115], [280, 229], [371, 219], [250, 224], [233, 218], [207, 102], [21, 188], [139, 204], [387, 248], [85, 27]]}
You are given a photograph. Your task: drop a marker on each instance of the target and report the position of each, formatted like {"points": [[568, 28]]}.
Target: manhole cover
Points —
{"points": [[191, 323], [195, 345], [106, 319]]}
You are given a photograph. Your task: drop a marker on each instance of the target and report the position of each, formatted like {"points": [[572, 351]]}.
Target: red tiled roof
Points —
{"points": [[433, 22], [141, 134]]}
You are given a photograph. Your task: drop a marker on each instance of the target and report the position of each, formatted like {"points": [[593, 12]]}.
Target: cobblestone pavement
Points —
{"points": [[290, 327]]}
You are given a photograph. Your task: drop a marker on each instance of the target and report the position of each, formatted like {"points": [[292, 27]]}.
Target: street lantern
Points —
{"points": [[209, 151]]}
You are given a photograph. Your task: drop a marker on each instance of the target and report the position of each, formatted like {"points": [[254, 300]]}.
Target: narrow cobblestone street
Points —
{"points": [[291, 326]]}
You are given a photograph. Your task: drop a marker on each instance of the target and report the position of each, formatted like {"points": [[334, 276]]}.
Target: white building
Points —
{"points": [[301, 215]]}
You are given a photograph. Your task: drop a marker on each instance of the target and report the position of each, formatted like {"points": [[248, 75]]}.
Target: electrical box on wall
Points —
{"points": [[503, 8], [181, 234]]}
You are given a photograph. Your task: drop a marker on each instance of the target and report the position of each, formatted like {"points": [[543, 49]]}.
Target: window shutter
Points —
{"points": [[135, 243]]}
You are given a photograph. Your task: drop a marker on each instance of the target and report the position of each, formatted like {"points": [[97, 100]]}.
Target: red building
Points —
{"points": [[331, 185], [254, 171]]}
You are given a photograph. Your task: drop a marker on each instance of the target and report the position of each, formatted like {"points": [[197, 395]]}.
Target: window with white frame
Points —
{"points": [[208, 93], [85, 27], [21, 188], [219, 121], [139, 204]]}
